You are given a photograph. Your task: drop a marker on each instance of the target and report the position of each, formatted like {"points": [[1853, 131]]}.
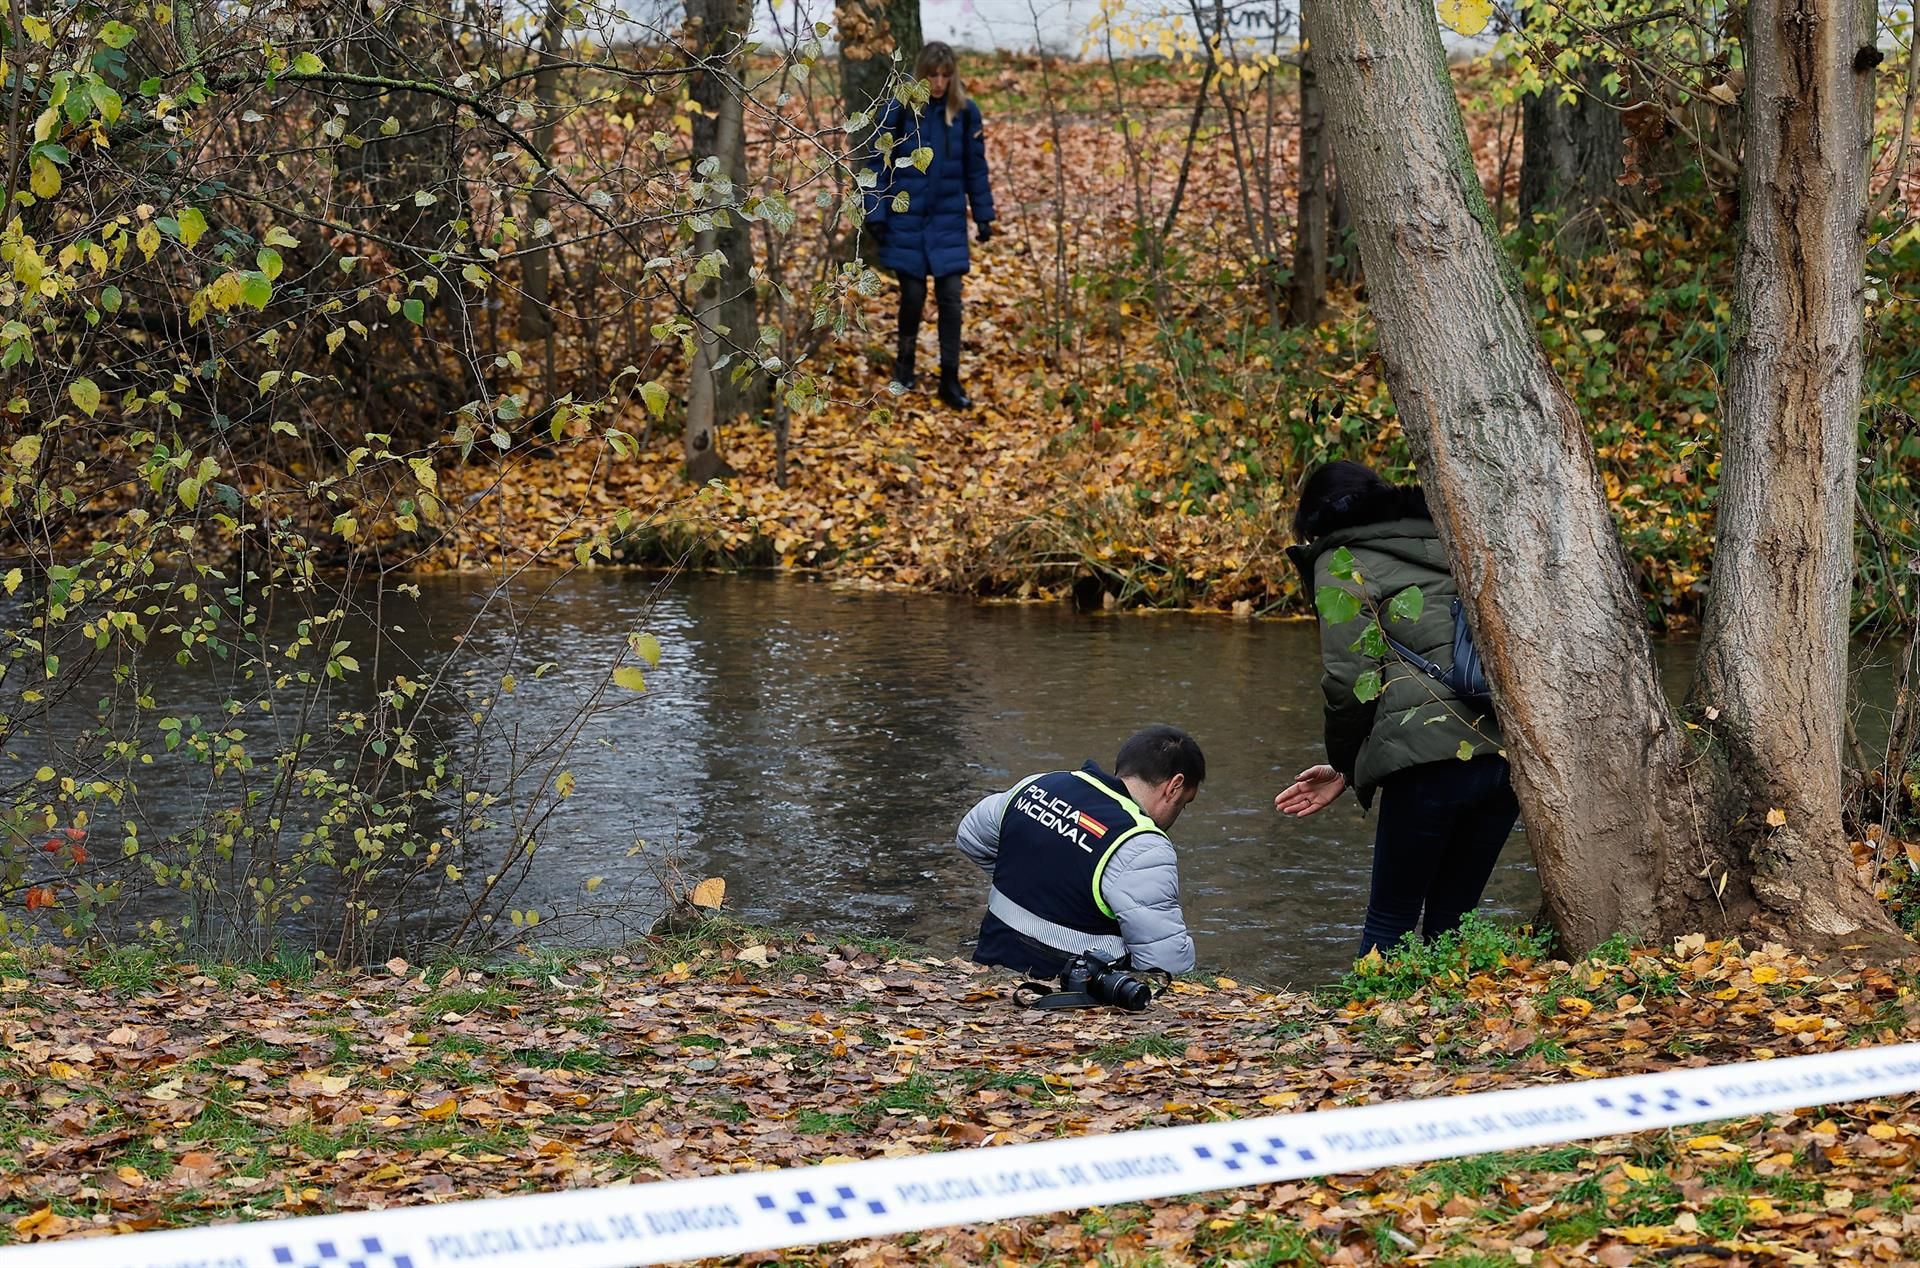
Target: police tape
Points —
{"points": [[768, 1210]]}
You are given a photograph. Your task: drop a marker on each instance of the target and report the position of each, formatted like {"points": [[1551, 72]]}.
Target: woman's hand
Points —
{"points": [[1312, 790]]}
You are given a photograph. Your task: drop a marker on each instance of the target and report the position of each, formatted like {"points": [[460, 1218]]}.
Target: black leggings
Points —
{"points": [[913, 302], [1441, 828]]}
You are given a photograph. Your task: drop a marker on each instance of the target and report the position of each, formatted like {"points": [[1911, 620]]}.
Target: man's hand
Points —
{"points": [[984, 230], [1312, 790]]}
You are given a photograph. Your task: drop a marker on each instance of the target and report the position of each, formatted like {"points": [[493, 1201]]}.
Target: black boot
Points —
{"points": [[952, 393], [913, 301], [946, 295]]}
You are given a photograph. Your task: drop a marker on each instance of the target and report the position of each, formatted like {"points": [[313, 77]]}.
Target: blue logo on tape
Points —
{"points": [[1666, 1101], [840, 1204], [1240, 1154], [364, 1252]]}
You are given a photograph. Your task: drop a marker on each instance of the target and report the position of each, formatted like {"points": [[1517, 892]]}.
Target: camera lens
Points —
{"points": [[1129, 992]]}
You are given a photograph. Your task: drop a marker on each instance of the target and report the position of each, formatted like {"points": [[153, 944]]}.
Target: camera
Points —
{"points": [[1106, 982]]}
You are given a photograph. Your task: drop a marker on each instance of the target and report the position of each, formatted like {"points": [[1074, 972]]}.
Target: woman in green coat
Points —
{"points": [[1435, 760]]}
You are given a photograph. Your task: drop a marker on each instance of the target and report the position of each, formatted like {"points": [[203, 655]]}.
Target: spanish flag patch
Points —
{"points": [[1091, 824]]}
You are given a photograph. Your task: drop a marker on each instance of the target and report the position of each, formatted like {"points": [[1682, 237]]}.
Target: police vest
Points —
{"points": [[1057, 834]]}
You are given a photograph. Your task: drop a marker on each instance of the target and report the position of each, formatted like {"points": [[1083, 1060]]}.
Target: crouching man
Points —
{"points": [[1081, 861]]}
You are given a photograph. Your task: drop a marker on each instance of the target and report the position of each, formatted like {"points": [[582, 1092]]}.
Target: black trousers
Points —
{"points": [[1441, 828], [913, 303]]}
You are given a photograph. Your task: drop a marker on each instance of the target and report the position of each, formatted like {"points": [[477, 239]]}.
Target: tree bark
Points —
{"points": [[536, 316], [724, 25], [718, 36], [871, 31], [1600, 763], [1772, 675], [1570, 159], [1309, 291]]}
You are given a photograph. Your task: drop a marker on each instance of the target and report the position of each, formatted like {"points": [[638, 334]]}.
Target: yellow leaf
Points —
{"points": [[1225, 983], [629, 677], [709, 893], [26, 451], [1776, 818], [594, 882], [1575, 1005], [148, 239], [60, 1070], [444, 1109], [1636, 1173], [1468, 17], [85, 393], [423, 472], [1760, 1209], [42, 1222], [563, 783], [647, 648], [1766, 973], [45, 177]]}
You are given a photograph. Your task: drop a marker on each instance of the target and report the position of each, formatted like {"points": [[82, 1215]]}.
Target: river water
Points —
{"points": [[815, 747]]}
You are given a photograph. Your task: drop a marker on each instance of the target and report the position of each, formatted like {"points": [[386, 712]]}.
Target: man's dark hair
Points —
{"points": [[1159, 753]]}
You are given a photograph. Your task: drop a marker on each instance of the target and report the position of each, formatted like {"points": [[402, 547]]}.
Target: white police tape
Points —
{"points": [[766, 1210]]}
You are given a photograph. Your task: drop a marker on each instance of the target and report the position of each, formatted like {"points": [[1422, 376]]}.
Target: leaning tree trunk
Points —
{"points": [[1599, 758], [1772, 678], [1309, 290], [724, 26], [1633, 831]]}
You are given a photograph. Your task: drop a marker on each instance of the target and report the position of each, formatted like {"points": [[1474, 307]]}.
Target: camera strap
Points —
{"points": [[1044, 996]]}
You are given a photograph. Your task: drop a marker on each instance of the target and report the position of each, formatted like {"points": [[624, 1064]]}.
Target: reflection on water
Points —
{"points": [[816, 748]]}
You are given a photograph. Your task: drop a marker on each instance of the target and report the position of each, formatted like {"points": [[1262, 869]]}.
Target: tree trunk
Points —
{"points": [[1570, 159], [1773, 665], [1634, 832], [723, 26], [871, 32], [1309, 291], [1599, 760], [718, 38], [536, 315]]}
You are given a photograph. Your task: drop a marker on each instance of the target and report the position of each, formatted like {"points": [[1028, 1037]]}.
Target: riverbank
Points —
{"points": [[136, 1094]]}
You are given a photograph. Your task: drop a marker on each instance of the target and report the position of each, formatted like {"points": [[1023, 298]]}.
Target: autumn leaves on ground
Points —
{"points": [[136, 1094]]}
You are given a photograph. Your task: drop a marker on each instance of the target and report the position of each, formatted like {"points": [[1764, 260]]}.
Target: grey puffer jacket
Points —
{"points": [[1414, 720]]}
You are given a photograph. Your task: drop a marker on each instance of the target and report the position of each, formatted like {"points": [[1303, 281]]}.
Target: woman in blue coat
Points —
{"points": [[919, 217]]}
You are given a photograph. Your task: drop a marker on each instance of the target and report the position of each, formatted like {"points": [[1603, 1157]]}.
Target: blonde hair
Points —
{"points": [[938, 55]]}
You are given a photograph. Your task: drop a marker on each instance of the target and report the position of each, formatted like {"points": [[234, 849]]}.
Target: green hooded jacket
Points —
{"points": [[1414, 719]]}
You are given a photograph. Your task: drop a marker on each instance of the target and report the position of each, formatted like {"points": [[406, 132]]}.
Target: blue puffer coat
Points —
{"points": [[929, 238]]}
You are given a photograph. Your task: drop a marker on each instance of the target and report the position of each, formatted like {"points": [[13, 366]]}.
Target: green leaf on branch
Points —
{"points": [[1465, 751], [655, 396], [1367, 686], [193, 226], [1340, 565], [415, 311], [84, 393], [1336, 606], [117, 35], [255, 290], [307, 64], [1372, 641], [270, 263], [1407, 605]]}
